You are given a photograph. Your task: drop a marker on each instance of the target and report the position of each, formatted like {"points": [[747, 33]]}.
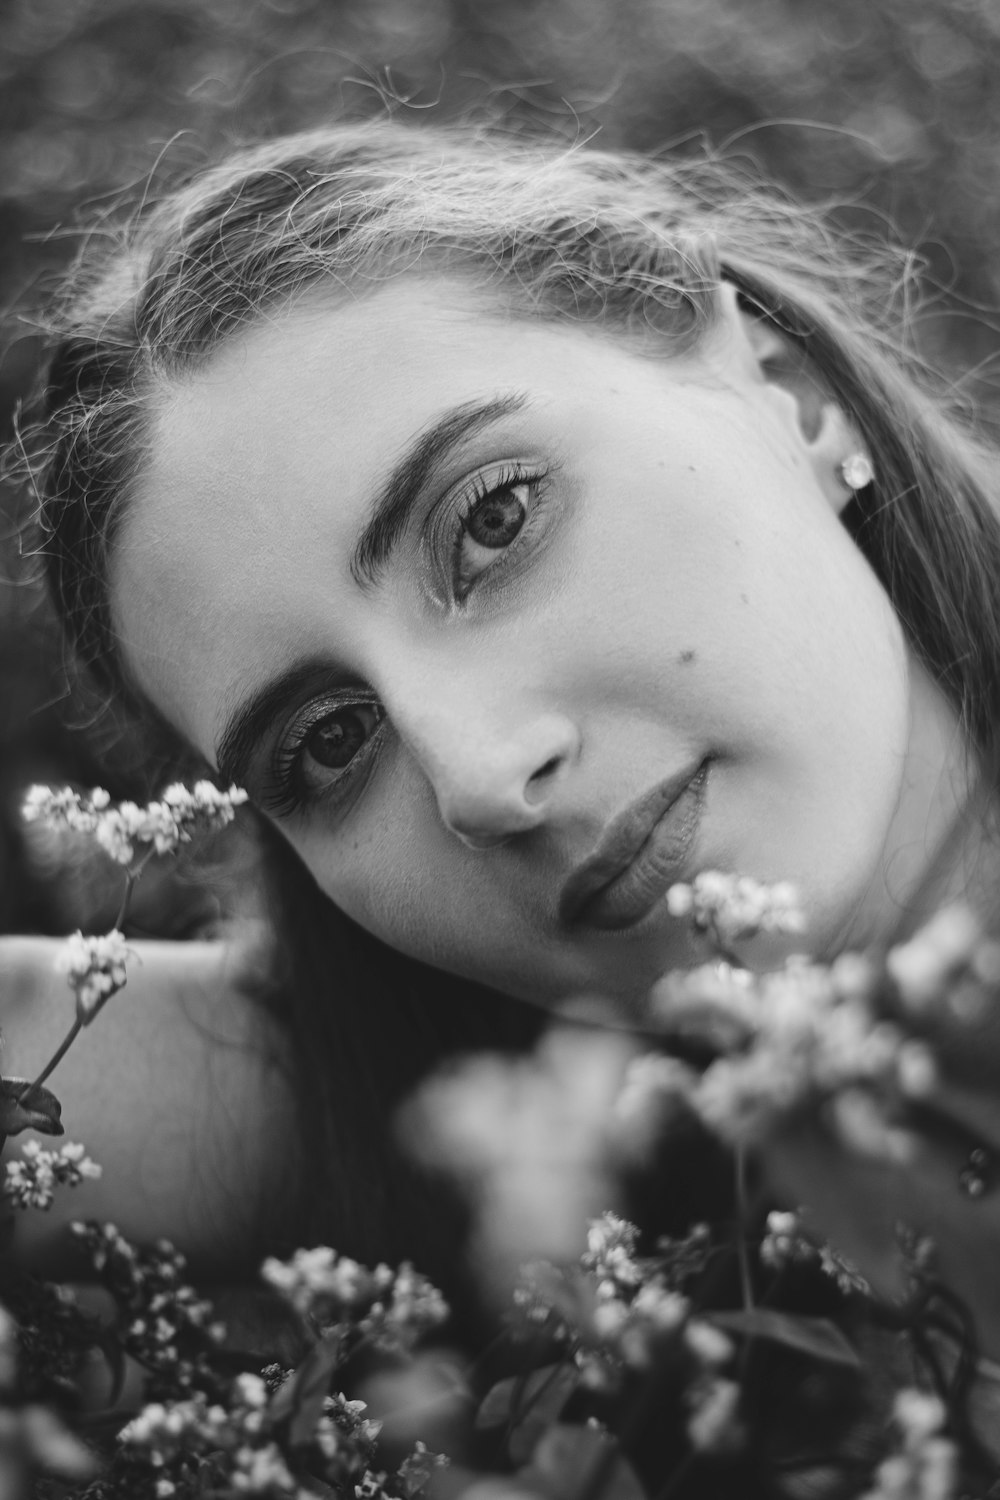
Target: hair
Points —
{"points": [[563, 232]]}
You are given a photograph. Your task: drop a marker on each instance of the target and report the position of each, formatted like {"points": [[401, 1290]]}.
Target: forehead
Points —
{"points": [[279, 434], [264, 464]]}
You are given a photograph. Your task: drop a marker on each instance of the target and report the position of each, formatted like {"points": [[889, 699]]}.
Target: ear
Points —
{"points": [[761, 355]]}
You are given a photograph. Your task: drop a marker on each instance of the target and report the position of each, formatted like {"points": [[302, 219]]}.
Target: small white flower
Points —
{"points": [[122, 828], [714, 1426], [918, 1415], [784, 1243], [924, 1463], [61, 809], [665, 1309], [680, 900], [250, 1390], [710, 1346], [95, 968], [916, 1069], [30, 1182], [609, 1318], [736, 907], [938, 952]]}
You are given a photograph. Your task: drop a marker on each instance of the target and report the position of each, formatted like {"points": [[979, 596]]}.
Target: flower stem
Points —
{"points": [[130, 879], [52, 1063], [742, 1210], [77, 1026]]}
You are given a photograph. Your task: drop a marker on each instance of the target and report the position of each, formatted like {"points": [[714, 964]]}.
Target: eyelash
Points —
{"points": [[486, 487], [285, 794]]}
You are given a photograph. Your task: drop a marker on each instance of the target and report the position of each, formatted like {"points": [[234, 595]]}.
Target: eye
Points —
{"points": [[497, 519], [493, 518], [327, 752], [331, 744]]}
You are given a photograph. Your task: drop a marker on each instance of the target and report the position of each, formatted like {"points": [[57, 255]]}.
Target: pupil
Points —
{"points": [[336, 741], [497, 521]]}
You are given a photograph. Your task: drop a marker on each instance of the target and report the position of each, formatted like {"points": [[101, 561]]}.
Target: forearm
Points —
{"points": [[178, 1090]]}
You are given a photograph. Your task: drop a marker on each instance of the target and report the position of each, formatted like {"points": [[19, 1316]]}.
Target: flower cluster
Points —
{"points": [[733, 908], [948, 963], [235, 1439], [801, 1034], [276, 1433], [611, 1251], [529, 1139], [394, 1309], [95, 968], [239, 1447], [617, 1311], [172, 1438], [167, 1327], [925, 1464], [785, 1244], [122, 828], [31, 1181]]}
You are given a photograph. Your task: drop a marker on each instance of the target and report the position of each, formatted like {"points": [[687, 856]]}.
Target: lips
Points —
{"points": [[643, 852]]}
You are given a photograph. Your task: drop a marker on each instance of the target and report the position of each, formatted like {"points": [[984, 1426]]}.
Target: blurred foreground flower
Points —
{"points": [[531, 1139], [925, 1463], [734, 908], [804, 1034]]}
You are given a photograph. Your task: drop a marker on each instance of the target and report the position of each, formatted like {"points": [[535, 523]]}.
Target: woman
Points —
{"points": [[526, 528]]}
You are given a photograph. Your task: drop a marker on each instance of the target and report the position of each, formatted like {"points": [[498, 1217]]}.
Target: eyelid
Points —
{"points": [[438, 529], [278, 794], [487, 476]]}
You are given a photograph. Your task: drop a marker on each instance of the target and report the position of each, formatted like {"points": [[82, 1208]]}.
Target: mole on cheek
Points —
{"points": [[685, 658]]}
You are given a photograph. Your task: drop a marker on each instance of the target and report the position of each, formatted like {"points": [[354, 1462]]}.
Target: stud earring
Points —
{"points": [[857, 471], [976, 1177]]}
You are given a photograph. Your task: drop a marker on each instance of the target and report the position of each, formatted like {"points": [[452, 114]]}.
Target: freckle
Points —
{"points": [[744, 598], [686, 657]]}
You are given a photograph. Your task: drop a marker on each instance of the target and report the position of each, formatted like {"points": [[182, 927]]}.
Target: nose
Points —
{"points": [[493, 776]]}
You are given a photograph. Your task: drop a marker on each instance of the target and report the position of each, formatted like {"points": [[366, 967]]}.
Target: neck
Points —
{"points": [[941, 847]]}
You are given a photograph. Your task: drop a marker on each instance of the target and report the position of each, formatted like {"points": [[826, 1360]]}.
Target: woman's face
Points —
{"points": [[509, 624]]}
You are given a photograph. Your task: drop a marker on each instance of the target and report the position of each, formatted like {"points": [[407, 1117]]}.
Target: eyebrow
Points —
{"points": [[250, 720], [405, 483]]}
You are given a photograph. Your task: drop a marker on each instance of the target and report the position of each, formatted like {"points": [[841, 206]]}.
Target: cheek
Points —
{"points": [[385, 867]]}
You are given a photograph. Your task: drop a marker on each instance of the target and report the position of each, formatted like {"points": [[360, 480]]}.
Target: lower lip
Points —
{"points": [[660, 861]]}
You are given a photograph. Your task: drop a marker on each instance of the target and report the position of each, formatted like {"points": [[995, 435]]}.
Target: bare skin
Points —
{"points": [[177, 1091]]}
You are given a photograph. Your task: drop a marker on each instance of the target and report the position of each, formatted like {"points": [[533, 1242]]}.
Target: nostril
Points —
{"points": [[536, 782]]}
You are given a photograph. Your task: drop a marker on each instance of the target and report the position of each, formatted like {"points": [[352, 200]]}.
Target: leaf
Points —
{"points": [[568, 1460], [42, 1111], [546, 1391], [302, 1396], [108, 1343], [816, 1337]]}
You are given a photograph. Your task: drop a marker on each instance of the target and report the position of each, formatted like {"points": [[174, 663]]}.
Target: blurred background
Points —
{"points": [[889, 109]]}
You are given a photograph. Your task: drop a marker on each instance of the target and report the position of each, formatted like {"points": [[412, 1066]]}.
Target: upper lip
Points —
{"points": [[620, 843]]}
